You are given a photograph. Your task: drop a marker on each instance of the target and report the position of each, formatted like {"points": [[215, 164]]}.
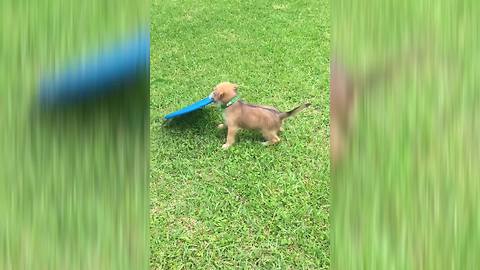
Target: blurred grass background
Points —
{"points": [[250, 207], [73, 181], [407, 194]]}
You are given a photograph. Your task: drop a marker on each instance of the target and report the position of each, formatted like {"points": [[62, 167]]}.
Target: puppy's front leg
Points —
{"points": [[232, 131]]}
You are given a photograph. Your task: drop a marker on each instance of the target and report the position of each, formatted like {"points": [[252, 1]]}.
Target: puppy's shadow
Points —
{"points": [[250, 136], [197, 122]]}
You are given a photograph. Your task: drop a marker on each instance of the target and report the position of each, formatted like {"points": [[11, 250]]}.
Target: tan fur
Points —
{"points": [[266, 119]]}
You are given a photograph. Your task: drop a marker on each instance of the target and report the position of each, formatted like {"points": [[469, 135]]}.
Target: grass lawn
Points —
{"points": [[408, 195], [67, 196], [250, 206]]}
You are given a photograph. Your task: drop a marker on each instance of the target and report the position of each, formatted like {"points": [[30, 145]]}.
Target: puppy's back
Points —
{"points": [[259, 117]]}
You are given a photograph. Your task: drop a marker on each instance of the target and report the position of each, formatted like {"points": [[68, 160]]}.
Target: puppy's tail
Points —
{"points": [[293, 112]]}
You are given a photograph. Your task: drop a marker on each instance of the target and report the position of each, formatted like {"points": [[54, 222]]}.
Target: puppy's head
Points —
{"points": [[224, 92]]}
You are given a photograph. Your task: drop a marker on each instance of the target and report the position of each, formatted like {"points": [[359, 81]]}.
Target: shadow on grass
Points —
{"points": [[123, 108], [200, 121], [250, 136], [205, 124], [202, 125]]}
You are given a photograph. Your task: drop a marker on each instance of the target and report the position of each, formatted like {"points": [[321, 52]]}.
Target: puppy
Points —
{"points": [[238, 115]]}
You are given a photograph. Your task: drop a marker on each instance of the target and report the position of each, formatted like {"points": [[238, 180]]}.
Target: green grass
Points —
{"points": [[407, 196], [250, 206], [68, 199]]}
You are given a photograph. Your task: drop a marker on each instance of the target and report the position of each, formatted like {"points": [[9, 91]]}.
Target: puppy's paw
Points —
{"points": [[282, 129], [267, 143], [226, 146], [221, 126]]}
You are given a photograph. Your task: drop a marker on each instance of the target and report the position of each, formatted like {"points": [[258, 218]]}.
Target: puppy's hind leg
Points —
{"points": [[271, 137]]}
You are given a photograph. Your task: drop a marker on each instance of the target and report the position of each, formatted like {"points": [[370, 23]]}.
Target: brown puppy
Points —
{"points": [[238, 114]]}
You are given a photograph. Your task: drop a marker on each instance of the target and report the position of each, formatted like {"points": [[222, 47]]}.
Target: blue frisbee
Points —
{"points": [[193, 107], [111, 68]]}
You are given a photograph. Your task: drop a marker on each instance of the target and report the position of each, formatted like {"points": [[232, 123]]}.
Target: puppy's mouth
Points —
{"points": [[217, 101]]}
